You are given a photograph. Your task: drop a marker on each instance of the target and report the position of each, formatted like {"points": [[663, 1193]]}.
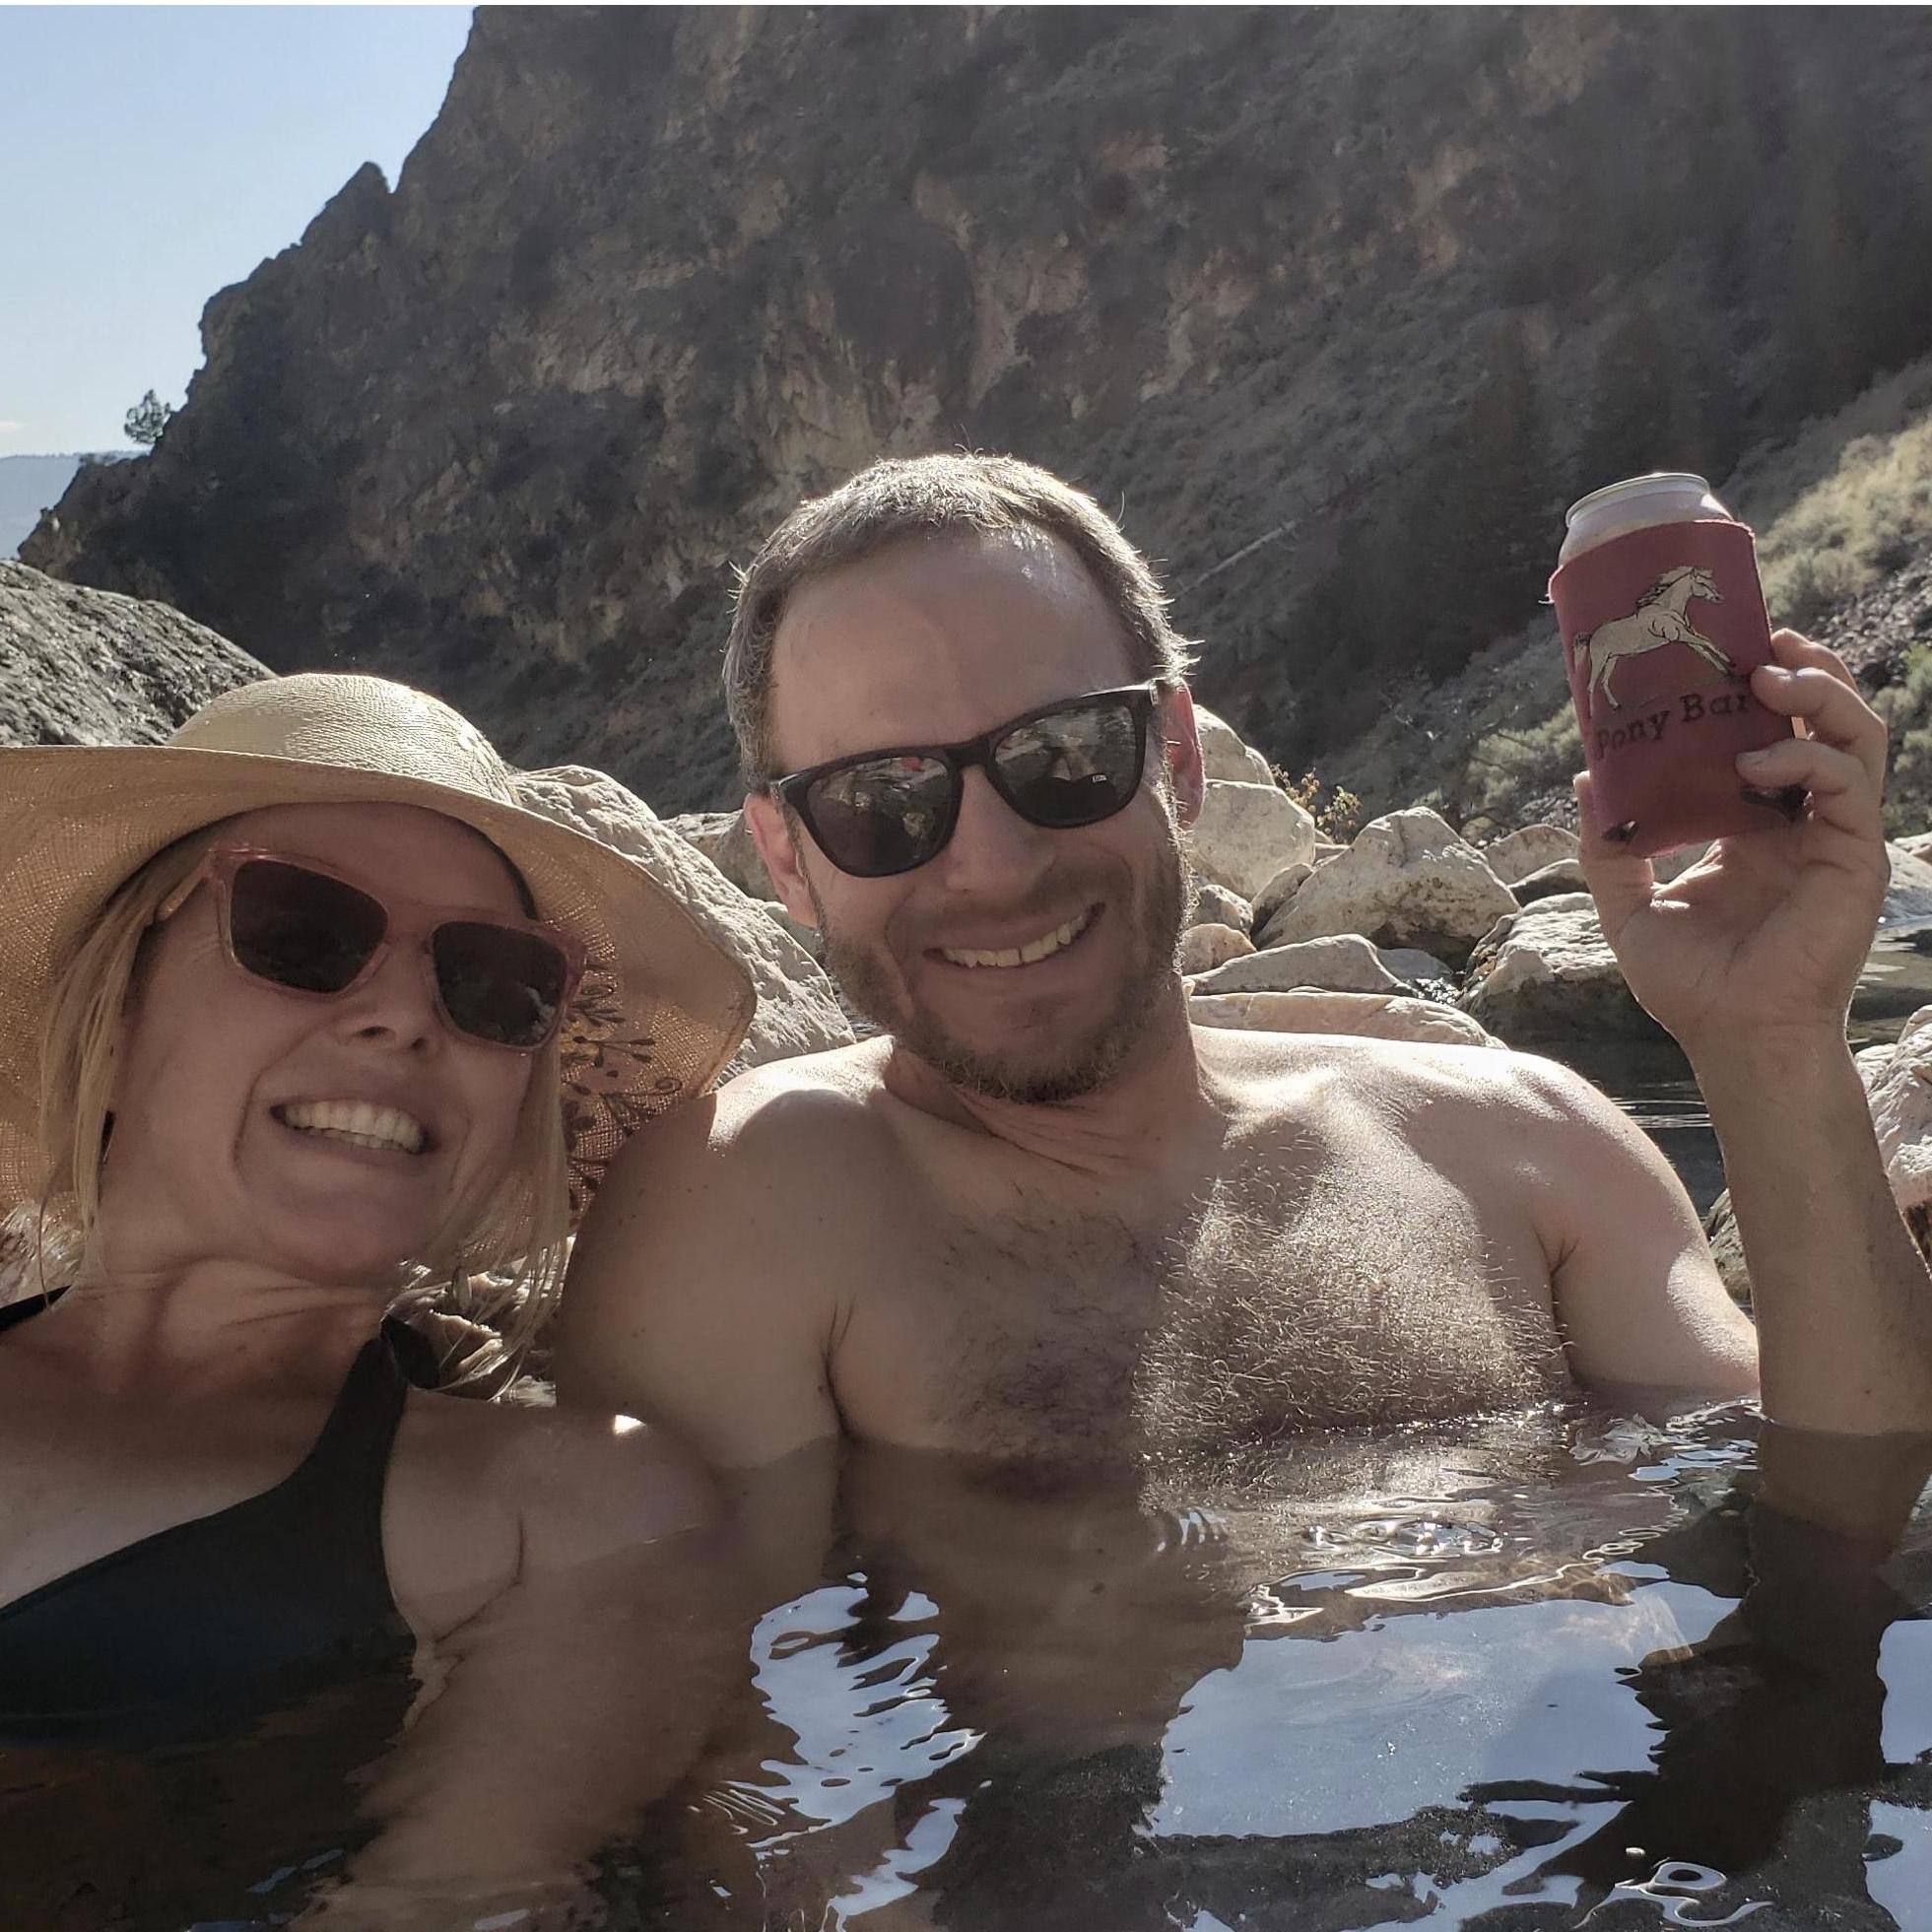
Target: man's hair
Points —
{"points": [[899, 499]]}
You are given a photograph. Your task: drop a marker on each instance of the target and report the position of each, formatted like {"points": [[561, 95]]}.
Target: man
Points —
{"points": [[1041, 1215]]}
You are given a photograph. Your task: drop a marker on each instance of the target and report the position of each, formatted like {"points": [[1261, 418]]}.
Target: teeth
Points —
{"points": [[358, 1124], [1018, 955]]}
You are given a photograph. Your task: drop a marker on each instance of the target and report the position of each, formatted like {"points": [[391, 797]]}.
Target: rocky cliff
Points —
{"points": [[1335, 306]]}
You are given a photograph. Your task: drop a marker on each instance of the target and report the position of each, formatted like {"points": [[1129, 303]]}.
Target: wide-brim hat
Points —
{"points": [[661, 1006]]}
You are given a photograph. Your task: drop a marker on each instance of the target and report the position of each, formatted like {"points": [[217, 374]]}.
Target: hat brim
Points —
{"points": [[661, 1010]]}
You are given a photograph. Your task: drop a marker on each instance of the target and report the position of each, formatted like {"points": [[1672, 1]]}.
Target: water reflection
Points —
{"points": [[1524, 1673]]}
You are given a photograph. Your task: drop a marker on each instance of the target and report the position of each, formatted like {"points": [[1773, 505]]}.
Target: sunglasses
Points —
{"points": [[302, 928], [1065, 765]]}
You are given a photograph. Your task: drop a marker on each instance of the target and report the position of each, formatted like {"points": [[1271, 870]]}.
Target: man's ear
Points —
{"points": [[1182, 739], [771, 833]]}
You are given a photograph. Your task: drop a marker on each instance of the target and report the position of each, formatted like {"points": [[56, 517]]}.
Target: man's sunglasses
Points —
{"points": [[1069, 764], [305, 929]]}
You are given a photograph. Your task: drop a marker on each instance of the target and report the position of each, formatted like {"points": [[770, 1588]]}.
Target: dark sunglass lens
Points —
{"points": [[887, 815], [1071, 768], [301, 928], [498, 985]]}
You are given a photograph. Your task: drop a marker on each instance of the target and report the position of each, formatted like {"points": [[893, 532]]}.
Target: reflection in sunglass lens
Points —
{"points": [[498, 985], [883, 816], [301, 929], [1071, 767]]}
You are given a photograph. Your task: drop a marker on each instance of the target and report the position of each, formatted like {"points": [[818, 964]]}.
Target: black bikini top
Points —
{"points": [[198, 1625]]}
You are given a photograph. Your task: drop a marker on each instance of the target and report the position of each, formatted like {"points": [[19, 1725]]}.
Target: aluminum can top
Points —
{"points": [[1635, 504]]}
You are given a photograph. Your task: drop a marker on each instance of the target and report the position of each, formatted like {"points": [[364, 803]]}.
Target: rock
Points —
{"points": [[1246, 834], [1386, 1016], [1909, 897], [808, 937], [1917, 846], [1899, 1086], [1275, 894], [1548, 974], [85, 667], [1224, 755], [1216, 905], [726, 840], [798, 1011], [1547, 881], [1518, 854], [1345, 963], [1203, 948], [1408, 880], [1415, 968]]}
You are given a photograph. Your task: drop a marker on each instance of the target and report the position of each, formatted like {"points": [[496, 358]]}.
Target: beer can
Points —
{"points": [[1663, 621]]}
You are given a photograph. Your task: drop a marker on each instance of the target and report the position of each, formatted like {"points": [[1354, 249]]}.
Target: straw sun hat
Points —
{"points": [[661, 1005]]}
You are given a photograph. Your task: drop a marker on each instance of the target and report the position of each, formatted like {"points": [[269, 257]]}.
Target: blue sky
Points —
{"points": [[149, 156]]}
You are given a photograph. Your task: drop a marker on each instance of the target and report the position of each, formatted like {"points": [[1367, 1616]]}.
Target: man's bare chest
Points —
{"points": [[1262, 1305]]}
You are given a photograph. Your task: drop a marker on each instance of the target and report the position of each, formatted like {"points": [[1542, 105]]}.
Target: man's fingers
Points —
{"points": [[1796, 651], [1842, 792], [1828, 705], [1620, 883]]}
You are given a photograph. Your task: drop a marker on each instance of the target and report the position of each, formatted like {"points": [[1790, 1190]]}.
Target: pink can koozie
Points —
{"points": [[1662, 627]]}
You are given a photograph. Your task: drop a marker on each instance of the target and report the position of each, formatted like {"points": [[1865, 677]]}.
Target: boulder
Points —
{"points": [[1909, 897], [1547, 972], [1246, 834], [798, 1011], [1386, 1016], [1408, 880], [1547, 881], [808, 937], [1898, 1088], [1216, 905], [1917, 846], [1516, 855], [1225, 755], [726, 840], [1203, 948], [86, 667], [1345, 963], [1272, 897]]}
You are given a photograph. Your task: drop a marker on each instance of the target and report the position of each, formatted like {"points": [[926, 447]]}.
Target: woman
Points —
{"points": [[294, 1009]]}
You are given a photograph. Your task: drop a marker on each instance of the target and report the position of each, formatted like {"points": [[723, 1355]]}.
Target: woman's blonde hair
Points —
{"points": [[523, 1234]]}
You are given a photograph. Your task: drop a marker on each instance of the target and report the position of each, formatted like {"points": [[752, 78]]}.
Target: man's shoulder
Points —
{"points": [[1278, 1072]]}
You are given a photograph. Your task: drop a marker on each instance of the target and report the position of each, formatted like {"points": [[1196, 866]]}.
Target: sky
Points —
{"points": [[149, 156]]}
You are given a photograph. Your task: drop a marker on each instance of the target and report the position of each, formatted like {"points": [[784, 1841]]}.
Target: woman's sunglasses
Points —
{"points": [[1066, 765], [300, 926]]}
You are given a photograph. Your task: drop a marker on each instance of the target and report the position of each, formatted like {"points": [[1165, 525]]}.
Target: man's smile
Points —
{"points": [[1030, 953]]}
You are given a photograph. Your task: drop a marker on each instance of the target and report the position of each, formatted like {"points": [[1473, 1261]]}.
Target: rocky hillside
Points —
{"points": [[1337, 306]]}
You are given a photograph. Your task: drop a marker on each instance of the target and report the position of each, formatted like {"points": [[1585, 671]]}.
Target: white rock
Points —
{"points": [[1548, 974], [1917, 846], [726, 840], [1225, 754], [1408, 880], [808, 937], [1275, 894], [1516, 855], [1246, 834], [1345, 963], [1383, 1015], [797, 1009], [1216, 905], [1203, 948], [1909, 894]]}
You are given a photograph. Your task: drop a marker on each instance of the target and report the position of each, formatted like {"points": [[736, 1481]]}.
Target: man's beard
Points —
{"points": [[1080, 1061]]}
